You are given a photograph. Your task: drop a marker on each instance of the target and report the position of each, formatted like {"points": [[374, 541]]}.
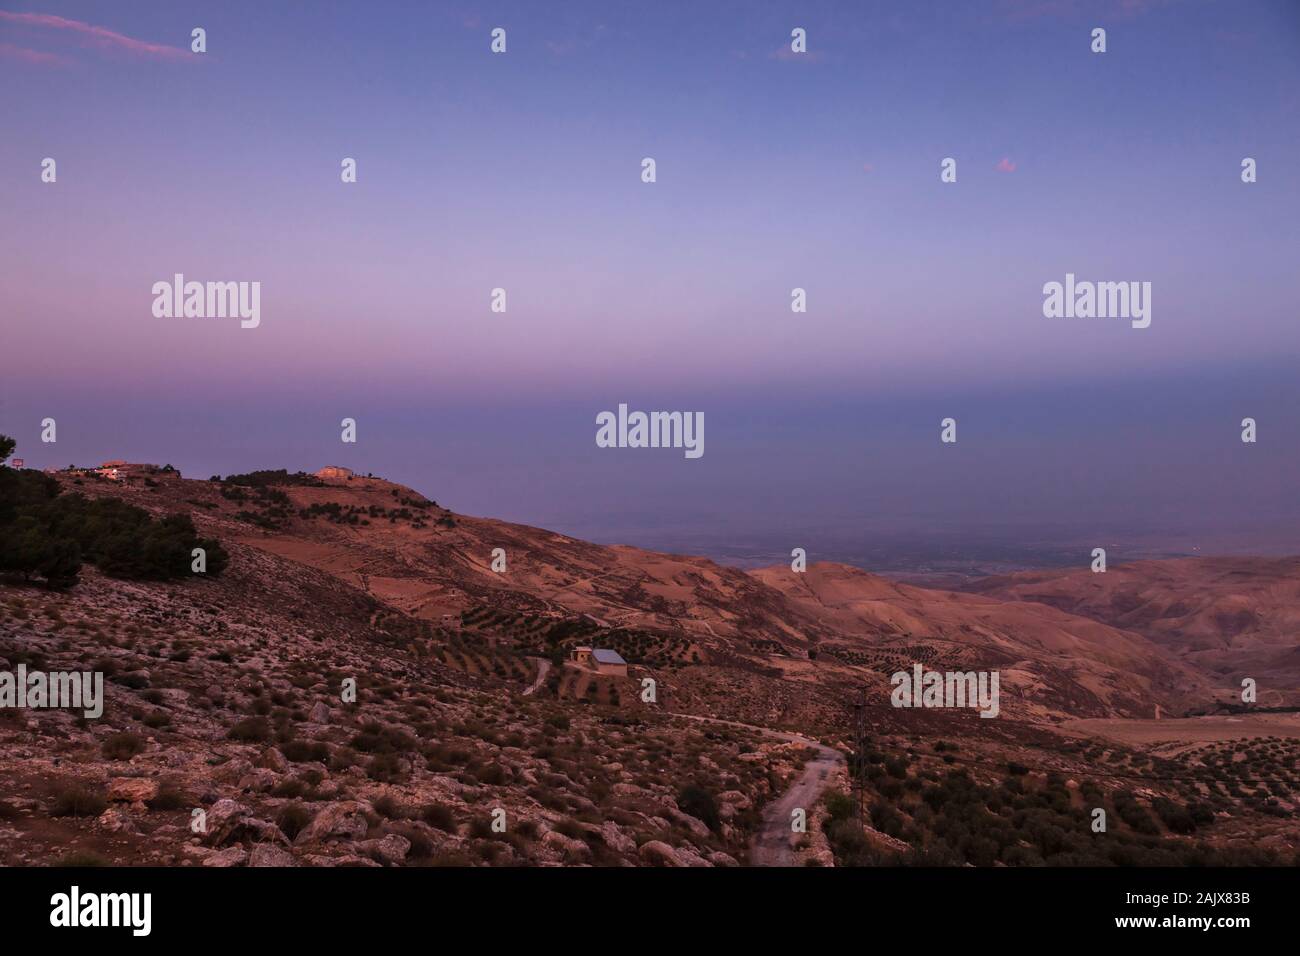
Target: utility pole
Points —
{"points": [[859, 769]]}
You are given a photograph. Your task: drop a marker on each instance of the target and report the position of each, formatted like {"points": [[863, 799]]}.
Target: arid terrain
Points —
{"points": [[1231, 618], [472, 738]]}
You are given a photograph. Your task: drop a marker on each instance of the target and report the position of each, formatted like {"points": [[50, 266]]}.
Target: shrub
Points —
{"points": [[293, 819], [251, 730], [302, 751], [700, 804], [123, 746], [389, 807], [77, 801], [896, 767], [384, 768], [169, 798], [289, 788], [492, 774], [1175, 817], [421, 845], [439, 817]]}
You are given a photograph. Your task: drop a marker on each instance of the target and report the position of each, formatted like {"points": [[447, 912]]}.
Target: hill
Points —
{"points": [[226, 695], [1230, 618]]}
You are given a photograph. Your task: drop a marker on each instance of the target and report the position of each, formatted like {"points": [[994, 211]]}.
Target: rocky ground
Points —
{"points": [[231, 734], [224, 716]]}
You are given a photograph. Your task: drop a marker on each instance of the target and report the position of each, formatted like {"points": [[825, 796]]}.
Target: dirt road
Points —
{"points": [[773, 844], [543, 668]]}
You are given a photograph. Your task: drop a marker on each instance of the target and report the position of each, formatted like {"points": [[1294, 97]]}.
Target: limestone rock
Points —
{"points": [[134, 790], [658, 853], [234, 856], [615, 838], [571, 848], [344, 818], [390, 849], [267, 854]]}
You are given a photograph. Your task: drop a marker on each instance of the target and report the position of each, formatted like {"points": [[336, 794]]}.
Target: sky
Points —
{"points": [[775, 170]]}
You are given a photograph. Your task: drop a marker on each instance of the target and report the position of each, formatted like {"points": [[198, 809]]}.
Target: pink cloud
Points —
{"points": [[867, 168], [1005, 165], [32, 57], [101, 37]]}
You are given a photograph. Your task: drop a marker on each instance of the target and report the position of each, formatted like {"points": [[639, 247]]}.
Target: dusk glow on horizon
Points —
{"points": [[925, 299]]}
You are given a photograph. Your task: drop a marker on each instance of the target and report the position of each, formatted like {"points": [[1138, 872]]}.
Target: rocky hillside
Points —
{"points": [[468, 739], [224, 697], [1228, 617]]}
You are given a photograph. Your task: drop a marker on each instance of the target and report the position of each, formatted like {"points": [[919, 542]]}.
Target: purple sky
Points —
{"points": [[774, 171]]}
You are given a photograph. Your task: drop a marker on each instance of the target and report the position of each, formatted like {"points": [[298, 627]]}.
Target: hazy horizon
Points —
{"points": [[775, 171]]}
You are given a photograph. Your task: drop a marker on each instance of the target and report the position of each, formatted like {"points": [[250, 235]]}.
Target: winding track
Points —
{"points": [[773, 844], [543, 668]]}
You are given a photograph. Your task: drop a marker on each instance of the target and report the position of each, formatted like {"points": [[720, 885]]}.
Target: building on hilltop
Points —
{"points": [[334, 471], [118, 470]]}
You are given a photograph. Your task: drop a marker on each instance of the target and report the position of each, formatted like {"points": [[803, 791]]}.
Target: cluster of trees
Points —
{"points": [[950, 820], [49, 535], [269, 477]]}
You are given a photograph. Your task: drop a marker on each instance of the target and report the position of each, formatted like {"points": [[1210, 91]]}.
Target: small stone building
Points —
{"points": [[599, 659], [609, 662]]}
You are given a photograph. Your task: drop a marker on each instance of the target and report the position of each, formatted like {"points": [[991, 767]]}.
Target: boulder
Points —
{"points": [[136, 791], [343, 819], [272, 759], [687, 855], [223, 818], [819, 856], [571, 848], [115, 821], [232, 771], [258, 780], [234, 856], [267, 854], [658, 853], [228, 821], [694, 824], [391, 849], [616, 839]]}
